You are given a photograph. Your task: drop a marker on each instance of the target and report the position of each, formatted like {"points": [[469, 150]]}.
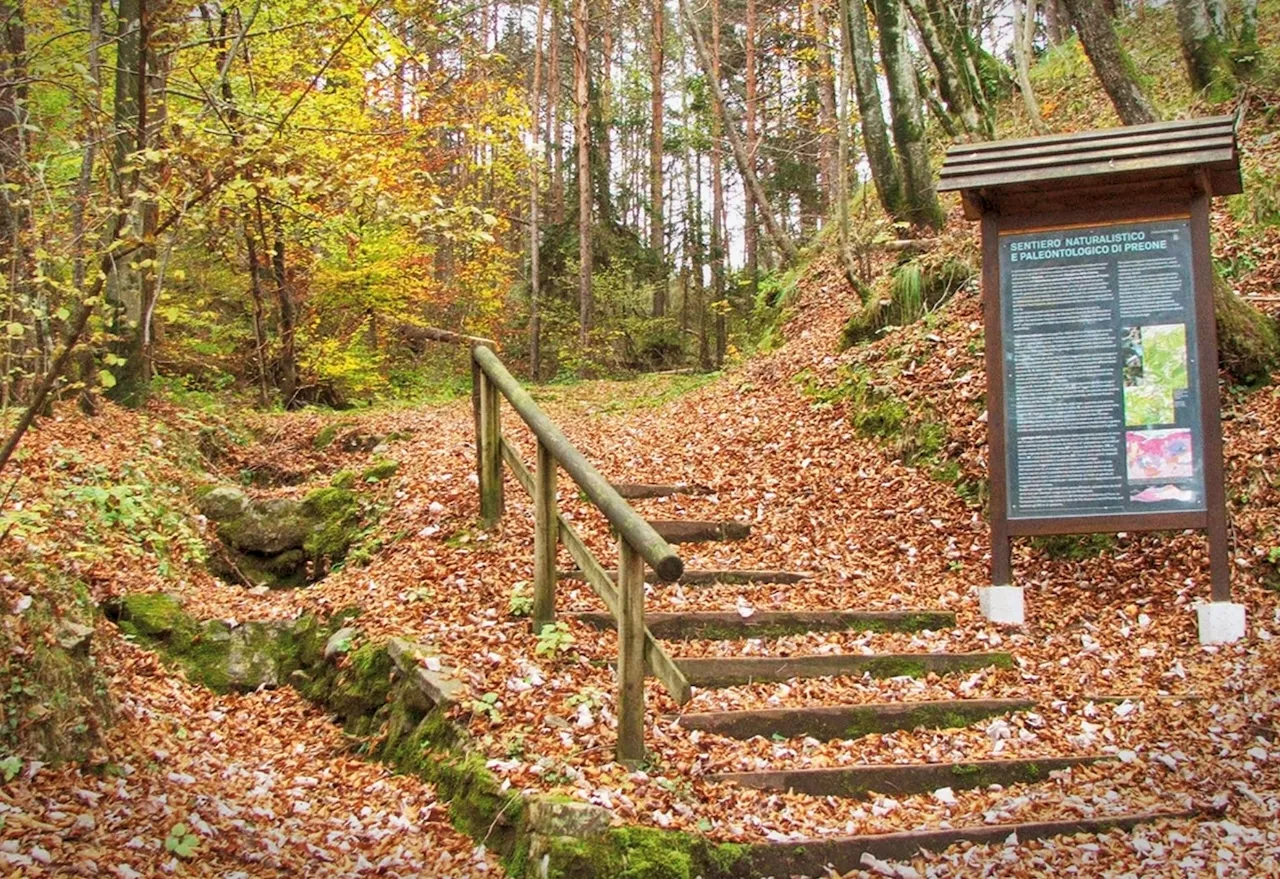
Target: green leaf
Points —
{"points": [[16, 329], [63, 314], [106, 379]]}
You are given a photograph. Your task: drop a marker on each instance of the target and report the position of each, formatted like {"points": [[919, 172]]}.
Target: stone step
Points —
{"points": [[645, 490], [733, 671], [711, 578], [829, 722], [731, 625], [860, 782], [696, 531], [841, 854]]}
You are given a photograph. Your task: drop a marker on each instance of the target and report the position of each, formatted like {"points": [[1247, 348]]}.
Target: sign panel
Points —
{"points": [[1102, 403]]}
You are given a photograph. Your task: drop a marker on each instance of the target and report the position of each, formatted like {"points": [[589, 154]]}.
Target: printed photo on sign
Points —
{"points": [[1159, 454], [1155, 373]]}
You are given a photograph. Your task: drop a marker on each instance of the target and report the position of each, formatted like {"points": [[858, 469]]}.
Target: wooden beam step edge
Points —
{"points": [[644, 490], [841, 854], [711, 578], [843, 722], [733, 671], [696, 531], [863, 782], [731, 625]]}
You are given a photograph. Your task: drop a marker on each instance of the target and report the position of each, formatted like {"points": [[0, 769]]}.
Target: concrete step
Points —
{"points": [[695, 531], [731, 625], [841, 854], [829, 722], [732, 671], [711, 578], [861, 782]]}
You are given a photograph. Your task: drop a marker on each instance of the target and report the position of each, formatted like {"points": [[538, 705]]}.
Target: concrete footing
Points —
{"points": [[1002, 604], [1221, 622]]}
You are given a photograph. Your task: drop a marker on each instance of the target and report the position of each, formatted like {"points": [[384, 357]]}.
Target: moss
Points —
{"points": [[643, 853], [380, 470], [343, 479], [1074, 547], [152, 613], [362, 684], [325, 437], [896, 667], [336, 513], [1248, 340]]}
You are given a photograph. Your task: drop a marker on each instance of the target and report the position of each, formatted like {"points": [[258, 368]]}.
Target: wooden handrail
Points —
{"points": [[638, 533], [638, 541]]}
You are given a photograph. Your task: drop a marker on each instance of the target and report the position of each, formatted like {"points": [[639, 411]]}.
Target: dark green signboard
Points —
{"points": [[1102, 405]]}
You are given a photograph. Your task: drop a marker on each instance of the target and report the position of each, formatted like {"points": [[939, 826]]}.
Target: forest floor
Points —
{"points": [[270, 787]]}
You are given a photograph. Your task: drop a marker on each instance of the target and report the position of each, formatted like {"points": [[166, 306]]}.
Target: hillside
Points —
{"points": [[862, 467]]}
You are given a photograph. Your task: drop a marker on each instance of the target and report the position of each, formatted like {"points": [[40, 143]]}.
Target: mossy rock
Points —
{"points": [[381, 470], [249, 655], [1248, 340], [335, 517], [641, 853], [154, 614], [344, 479]]}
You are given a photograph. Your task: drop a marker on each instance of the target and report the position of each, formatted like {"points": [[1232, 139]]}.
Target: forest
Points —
{"points": [[277, 603]]}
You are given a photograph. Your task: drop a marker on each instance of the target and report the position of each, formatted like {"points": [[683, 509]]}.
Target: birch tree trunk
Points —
{"points": [[1024, 30], [885, 173], [1110, 62], [908, 116], [586, 306]]}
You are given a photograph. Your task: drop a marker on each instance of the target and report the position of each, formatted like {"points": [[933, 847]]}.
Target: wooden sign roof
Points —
{"points": [[1113, 155]]}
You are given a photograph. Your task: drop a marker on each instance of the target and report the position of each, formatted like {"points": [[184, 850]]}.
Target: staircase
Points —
{"points": [[661, 644], [790, 726]]}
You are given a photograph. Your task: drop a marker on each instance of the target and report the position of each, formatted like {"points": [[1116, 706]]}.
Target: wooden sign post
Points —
{"points": [[1101, 345]]}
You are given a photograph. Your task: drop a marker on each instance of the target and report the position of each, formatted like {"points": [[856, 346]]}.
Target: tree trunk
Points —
{"points": [[717, 196], [555, 126], [586, 307], [776, 233], [950, 83], [80, 205], [600, 88], [657, 231], [130, 121], [908, 117], [885, 173], [535, 224], [826, 105], [1110, 62], [1245, 57], [1024, 31], [750, 234], [1203, 49]]}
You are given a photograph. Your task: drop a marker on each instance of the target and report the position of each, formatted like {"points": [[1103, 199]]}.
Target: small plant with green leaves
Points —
{"points": [[489, 706], [181, 841], [555, 639], [591, 697], [10, 766], [521, 602]]}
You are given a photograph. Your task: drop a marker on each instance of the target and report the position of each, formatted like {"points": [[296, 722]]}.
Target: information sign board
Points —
{"points": [[1101, 370]]}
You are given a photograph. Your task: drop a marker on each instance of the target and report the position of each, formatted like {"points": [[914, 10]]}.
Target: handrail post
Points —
{"points": [[630, 655], [489, 450], [546, 534]]}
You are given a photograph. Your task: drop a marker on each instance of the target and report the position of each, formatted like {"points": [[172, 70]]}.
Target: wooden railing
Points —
{"points": [[638, 542]]}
